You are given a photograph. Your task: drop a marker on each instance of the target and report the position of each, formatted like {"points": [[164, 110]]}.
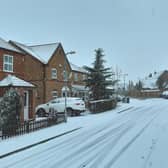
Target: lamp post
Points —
{"points": [[66, 82]]}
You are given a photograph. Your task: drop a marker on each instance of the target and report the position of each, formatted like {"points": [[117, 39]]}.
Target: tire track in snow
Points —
{"points": [[68, 142], [69, 145], [53, 151], [123, 149], [85, 149], [77, 159]]}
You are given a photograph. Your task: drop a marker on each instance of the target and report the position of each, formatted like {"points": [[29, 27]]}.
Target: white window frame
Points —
{"points": [[54, 73], [54, 94], [9, 64]]}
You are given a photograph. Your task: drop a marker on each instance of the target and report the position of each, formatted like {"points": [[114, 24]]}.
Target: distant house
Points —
{"points": [[150, 84], [12, 63]]}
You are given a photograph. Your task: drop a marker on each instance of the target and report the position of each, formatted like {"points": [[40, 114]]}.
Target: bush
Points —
{"points": [[10, 108], [102, 105]]}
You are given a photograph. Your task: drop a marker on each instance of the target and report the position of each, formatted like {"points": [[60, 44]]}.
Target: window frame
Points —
{"points": [[84, 76], [76, 78], [53, 74], [8, 63], [54, 92]]}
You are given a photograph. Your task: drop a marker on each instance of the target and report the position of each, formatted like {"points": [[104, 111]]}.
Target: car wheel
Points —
{"points": [[77, 113], [69, 112], [41, 113]]}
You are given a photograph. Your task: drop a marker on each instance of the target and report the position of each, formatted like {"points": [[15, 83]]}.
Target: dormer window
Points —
{"points": [[54, 73], [8, 63]]}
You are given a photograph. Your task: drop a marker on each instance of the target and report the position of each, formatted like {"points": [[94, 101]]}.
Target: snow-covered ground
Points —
{"points": [[134, 135]]}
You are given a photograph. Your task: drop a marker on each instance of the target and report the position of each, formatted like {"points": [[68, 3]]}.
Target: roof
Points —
{"points": [[79, 88], [5, 45], [41, 52], [77, 68], [45, 51], [12, 80], [150, 82]]}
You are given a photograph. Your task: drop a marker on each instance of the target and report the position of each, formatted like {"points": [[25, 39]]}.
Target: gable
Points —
{"points": [[60, 54], [45, 51], [42, 53]]}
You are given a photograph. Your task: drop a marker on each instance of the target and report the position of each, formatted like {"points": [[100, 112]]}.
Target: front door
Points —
{"points": [[26, 105]]}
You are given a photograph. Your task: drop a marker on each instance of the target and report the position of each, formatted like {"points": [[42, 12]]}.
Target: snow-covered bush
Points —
{"points": [[10, 108], [102, 105]]}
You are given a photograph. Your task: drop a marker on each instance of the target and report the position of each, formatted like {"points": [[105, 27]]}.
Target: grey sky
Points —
{"points": [[133, 33]]}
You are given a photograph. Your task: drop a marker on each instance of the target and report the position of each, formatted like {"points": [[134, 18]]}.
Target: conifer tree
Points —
{"points": [[99, 77], [10, 108]]}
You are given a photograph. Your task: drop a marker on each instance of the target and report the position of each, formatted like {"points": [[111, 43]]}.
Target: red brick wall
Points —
{"points": [[57, 61], [80, 78], [18, 64], [34, 73]]}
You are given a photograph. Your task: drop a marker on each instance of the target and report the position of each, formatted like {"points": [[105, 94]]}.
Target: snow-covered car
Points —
{"points": [[74, 106], [165, 94], [117, 97]]}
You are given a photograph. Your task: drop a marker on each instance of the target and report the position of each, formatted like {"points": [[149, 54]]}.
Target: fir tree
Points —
{"points": [[139, 85], [99, 77], [10, 108]]}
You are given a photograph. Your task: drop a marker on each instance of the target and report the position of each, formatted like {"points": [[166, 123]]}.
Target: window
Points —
{"points": [[54, 94], [54, 73], [76, 77], [8, 63], [84, 76], [65, 75]]}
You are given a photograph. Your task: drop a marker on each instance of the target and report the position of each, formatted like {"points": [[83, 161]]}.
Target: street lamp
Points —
{"points": [[66, 82]]}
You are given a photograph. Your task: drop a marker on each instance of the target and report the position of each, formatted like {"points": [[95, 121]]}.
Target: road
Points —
{"points": [[131, 139]]}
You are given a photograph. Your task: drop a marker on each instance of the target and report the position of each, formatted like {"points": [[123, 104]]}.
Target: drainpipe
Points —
{"points": [[44, 84]]}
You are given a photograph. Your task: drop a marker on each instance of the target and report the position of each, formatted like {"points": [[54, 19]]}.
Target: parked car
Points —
{"points": [[117, 97], [165, 94], [74, 106]]}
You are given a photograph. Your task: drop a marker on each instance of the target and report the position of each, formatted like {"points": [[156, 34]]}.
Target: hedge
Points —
{"points": [[102, 105]]}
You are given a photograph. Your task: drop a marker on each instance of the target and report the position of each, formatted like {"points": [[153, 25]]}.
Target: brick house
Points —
{"points": [[150, 85], [42, 66], [77, 81], [12, 63], [45, 68]]}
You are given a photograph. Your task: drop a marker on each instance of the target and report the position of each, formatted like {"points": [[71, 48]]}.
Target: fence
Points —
{"points": [[28, 126]]}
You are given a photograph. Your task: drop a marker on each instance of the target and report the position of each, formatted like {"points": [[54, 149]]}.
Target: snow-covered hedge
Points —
{"points": [[10, 109], [102, 105]]}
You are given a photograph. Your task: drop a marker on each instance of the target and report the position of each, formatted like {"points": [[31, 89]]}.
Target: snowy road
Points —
{"points": [[136, 138]]}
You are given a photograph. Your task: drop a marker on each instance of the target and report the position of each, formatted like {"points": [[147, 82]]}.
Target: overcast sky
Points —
{"points": [[133, 33]]}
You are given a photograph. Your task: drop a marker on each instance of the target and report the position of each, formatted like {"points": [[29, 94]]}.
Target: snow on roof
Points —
{"points": [[12, 80], [45, 51], [77, 68], [79, 88], [41, 52], [29, 51], [4, 44], [150, 82]]}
